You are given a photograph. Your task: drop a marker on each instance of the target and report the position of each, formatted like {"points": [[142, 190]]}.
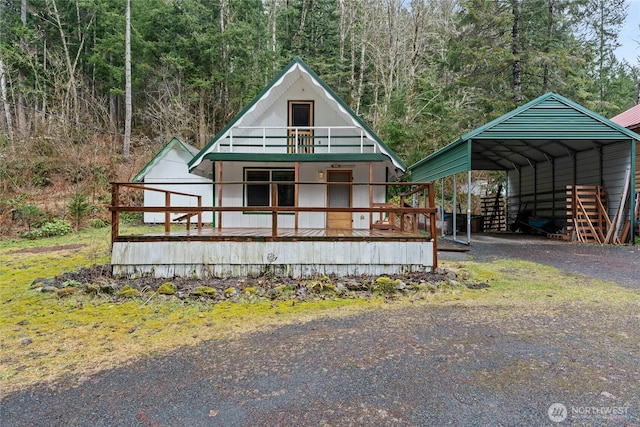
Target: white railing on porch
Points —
{"points": [[265, 137]]}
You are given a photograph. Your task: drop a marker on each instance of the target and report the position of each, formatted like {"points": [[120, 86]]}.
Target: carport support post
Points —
{"points": [[455, 206], [442, 209], [469, 206]]}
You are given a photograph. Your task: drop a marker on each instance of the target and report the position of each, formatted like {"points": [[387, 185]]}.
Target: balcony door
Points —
{"points": [[300, 127], [339, 196]]}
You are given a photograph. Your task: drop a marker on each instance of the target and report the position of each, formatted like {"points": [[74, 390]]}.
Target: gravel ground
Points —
{"points": [[619, 264], [423, 365]]}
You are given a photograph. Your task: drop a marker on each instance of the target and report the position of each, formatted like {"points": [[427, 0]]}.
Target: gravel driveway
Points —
{"points": [[422, 365], [619, 264]]}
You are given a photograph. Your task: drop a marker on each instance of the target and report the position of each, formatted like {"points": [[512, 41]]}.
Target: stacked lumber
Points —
{"points": [[493, 213], [588, 220]]}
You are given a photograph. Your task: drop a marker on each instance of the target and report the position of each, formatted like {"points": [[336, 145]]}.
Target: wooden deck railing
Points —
{"points": [[402, 217]]}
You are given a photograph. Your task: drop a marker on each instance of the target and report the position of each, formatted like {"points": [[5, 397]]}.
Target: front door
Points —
{"points": [[300, 127], [339, 196]]}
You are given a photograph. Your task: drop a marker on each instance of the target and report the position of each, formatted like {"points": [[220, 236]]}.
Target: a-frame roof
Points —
{"points": [[548, 127], [297, 68], [173, 143]]}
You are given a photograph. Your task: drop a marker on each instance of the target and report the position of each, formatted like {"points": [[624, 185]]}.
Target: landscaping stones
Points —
{"points": [[96, 282]]}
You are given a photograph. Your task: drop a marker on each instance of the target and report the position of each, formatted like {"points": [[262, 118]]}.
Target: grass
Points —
{"points": [[47, 339]]}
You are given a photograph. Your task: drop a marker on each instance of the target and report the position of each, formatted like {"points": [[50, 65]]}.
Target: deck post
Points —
{"points": [[219, 185], [296, 193], [167, 214], [115, 214], [274, 211], [200, 213], [371, 194], [432, 223]]}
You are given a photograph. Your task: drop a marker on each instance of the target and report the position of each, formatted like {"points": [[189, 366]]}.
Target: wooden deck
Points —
{"points": [[284, 234]]}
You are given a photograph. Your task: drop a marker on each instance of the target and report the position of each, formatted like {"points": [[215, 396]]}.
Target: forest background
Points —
{"points": [[420, 72]]}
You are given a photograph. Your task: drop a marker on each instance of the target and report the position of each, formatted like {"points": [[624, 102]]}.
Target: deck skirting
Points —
{"points": [[245, 258]]}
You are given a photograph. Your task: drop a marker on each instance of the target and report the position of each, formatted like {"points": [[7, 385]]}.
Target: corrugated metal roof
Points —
{"points": [[629, 119], [548, 127]]}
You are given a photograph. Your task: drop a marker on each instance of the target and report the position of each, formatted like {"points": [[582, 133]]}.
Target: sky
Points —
{"points": [[630, 35]]}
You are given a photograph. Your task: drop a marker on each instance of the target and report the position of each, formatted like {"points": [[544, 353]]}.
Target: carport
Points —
{"points": [[543, 146]]}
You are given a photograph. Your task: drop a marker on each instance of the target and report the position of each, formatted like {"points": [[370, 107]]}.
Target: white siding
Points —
{"points": [[172, 167], [309, 195], [295, 259]]}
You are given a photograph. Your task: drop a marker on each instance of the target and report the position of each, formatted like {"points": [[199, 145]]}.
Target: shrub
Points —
{"points": [[49, 228], [29, 214], [131, 218], [100, 223], [78, 207]]}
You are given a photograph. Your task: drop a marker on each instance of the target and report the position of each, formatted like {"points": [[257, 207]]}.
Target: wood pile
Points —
{"points": [[588, 220]]}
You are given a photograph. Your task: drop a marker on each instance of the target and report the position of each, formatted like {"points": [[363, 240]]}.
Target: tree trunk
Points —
{"points": [[515, 50], [127, 70], [113, 118], [7, 109], [546, 66], [273, 15], [71, 96], [202, 125], [22, 79]]}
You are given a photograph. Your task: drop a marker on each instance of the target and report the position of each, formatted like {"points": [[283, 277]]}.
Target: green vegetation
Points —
{"points": [[85, 327]]}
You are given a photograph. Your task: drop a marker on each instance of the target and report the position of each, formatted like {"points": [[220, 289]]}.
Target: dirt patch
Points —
{"points": [[46, 249]]}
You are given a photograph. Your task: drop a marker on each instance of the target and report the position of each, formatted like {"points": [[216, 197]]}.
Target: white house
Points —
{"points": [[300, 184]]}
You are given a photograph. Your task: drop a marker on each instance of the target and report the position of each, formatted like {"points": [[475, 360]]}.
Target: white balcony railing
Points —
{"points": [[287, 139]]}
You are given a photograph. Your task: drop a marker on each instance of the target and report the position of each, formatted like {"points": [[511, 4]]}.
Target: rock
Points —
{"points": [[231, 292], [128, 292], [341, 288], [273, 293], [204, 291], [607, 395], [65, 292], [48, 289], [109, 288], [91, 288], [26, 341], [167, 288], [400, 286], [41, 282]]}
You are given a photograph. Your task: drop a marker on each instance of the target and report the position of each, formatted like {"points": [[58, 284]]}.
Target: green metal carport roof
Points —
{"points": [[550, 126]]}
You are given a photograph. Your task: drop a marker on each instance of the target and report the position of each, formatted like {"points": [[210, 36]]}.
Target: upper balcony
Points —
{"points": [[296, 140]]}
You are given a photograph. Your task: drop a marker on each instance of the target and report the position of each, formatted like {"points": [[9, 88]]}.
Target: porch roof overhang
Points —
{"points": [[548, 127], [297, 157], [207, 167]]}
